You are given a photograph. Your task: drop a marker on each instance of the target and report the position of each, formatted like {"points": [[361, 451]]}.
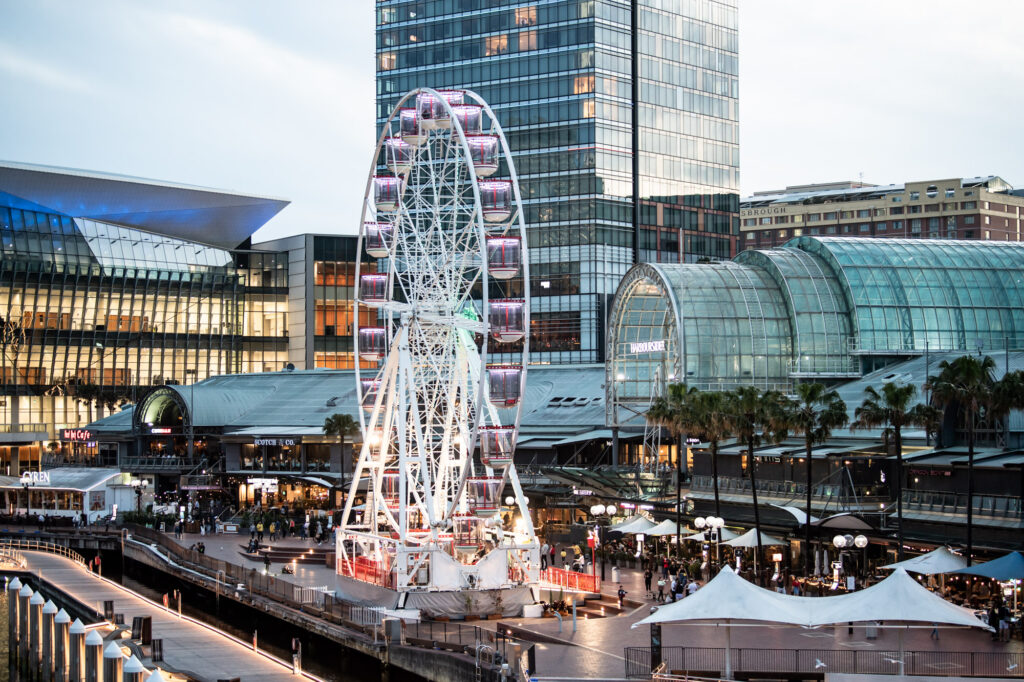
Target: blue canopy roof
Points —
{"points": [[1009, 567]]}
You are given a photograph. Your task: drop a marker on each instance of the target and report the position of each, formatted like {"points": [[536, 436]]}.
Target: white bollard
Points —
{"points": [[61, 624], [23, 596], [12, 611], [113, 662], [94, 657], [35, 628], [155, 676], [133, 670], [76, 652], [49, 612]]}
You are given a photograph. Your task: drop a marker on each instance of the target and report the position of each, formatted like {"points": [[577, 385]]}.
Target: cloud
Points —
{"points": [[22, 66]]}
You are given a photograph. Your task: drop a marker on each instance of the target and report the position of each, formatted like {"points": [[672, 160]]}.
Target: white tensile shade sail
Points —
{"points": [[898, 598], [666, 527], [749, 539], [635, 524], [724, 534], [939, 560]]}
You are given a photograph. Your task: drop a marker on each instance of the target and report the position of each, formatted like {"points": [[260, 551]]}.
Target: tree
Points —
{"points": [[754, 420], [342, 426], [815, 412], [671, 412], [966, 384], [709, 420], [891, 409]]}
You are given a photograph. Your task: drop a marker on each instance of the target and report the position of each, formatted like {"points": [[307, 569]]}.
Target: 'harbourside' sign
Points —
{"points": [[647, 346]]}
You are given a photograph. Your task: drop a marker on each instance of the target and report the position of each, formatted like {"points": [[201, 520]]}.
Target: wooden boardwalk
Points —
{"points": [[190, 647]]}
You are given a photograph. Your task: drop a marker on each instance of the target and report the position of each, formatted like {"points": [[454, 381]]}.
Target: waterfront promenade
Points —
{"points": [[190, 647]]}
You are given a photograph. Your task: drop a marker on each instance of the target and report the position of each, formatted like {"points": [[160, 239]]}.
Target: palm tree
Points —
{"points": [[891, 409], [754, 421], [966, 384], [815, 412], [709, 420], [670, 412], [342, 426]]}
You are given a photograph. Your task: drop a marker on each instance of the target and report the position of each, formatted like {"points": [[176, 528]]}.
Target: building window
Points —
{"points": [[933, 223], [968, 220], [915, 225], [588, 108], [880, 227], [495, 45], [988, 221], [865, 227], [914, 196], [847, 229], [968, 205], [879, 211], [766, 221], [526, 16], [988, 234], [831, 229], [797, 232], [386, 61], [847, 214], [897, 199], [583, 85], [528, 41], [749, 222], [864, 213], [968, 192], [750, 235], [782, 234], [932, 191], [830, 216], [897, 225], [950, 192], [813, 217], [896, 210]]}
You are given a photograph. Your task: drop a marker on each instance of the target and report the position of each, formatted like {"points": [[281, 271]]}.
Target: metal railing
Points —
{"points": [[571, 580], [156, 463], [11, 557], [678, 659], [40, 546], [24, 428], [1000, 506]]}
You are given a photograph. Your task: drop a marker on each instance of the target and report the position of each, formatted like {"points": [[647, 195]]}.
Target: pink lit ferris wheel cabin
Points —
{"points": [[431, 111], [373, 288], [400, 155], [378, 238], [483, 150], [409, 127], [506, 319], [504, 256], [497, 445], [496, 200], [483, 494], [373, 343], [387, 192], [467, 533], [503, 384], [470, 118], [368, 390]]}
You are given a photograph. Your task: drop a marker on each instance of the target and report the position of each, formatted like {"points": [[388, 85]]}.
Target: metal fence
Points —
{"points": [[571, 580], [14, 547], [677, 659]]}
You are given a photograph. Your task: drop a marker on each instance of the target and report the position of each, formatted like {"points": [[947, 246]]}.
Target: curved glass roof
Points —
{"points": [[906, 293]]}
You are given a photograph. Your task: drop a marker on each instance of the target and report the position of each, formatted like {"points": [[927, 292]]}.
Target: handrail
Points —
{"points": [[40, 546]]}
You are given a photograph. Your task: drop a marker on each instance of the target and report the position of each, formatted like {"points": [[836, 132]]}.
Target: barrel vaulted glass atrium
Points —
{"points": [[823, 309]]}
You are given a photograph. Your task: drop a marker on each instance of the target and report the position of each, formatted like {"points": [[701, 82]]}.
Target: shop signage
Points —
{"points": [[646, 507], [647, 346], [275, 441], [627, 505], [582, 491], [35, 478], [931, 472], [265, 484], [161, 430], [77, 435]]}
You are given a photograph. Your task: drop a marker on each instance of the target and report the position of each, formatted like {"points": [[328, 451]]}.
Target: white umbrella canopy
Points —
{"points": [[666, 527], [625, 522], [724, 534], [638, 524], [749, 539], [898, 598], [940, 560]]}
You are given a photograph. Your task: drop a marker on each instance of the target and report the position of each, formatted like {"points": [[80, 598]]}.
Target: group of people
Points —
{"points": [[673, 583], [198, 547]]}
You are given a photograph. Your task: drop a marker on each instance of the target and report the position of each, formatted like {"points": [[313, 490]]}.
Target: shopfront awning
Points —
{"points": [[596, 434]]}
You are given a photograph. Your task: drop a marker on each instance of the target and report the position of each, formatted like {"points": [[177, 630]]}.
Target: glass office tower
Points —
{"points": [[622, 118]]}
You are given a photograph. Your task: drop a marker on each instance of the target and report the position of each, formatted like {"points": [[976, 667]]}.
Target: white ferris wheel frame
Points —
{"points": [[422, 482]]}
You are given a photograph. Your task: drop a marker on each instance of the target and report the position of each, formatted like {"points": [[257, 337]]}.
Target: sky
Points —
{"points": [[276, 98]]}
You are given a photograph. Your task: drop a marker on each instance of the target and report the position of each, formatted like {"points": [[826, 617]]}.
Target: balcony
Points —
{"points": [[166, 464], [823, 496]]}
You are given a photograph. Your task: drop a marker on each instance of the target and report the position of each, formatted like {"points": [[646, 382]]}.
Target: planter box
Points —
{"points": [[494, 616]]}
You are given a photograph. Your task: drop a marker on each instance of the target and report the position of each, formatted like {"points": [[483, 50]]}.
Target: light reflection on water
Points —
{"points": [[5, 674]]}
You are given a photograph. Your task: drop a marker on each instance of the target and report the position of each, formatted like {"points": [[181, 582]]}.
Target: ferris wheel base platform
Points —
{"points": [[507, 602]]}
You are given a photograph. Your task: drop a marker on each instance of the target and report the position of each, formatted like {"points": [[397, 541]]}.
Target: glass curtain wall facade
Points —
{"points": [[334, 272], [815, 309], [95, 313], [560, 77]]}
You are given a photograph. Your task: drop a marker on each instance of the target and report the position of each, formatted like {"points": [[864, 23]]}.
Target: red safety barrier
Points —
{"points": [[571, 580], [367, 570]]}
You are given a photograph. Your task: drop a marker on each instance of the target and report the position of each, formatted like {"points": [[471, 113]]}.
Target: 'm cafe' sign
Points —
{"points": [[76, 435]]}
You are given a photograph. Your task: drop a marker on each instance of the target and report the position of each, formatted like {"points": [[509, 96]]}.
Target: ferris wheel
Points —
{"points": [[441, 357]]}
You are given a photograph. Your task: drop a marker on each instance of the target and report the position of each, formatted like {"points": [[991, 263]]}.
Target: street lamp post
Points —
{"points": [[848, 541], [598, 511], [713, 524]]}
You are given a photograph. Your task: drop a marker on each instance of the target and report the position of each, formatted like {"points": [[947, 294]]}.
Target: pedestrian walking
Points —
{"points": [[622, 595], [563, 558], [648, 576], [259, 532], [544, 549], [661, 591]]}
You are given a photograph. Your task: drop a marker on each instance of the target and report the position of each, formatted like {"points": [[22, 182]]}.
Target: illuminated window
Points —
{"points": [[495, 45], [526, 16], [588, 108], [527, 41], [583, 84], [387, 61]]}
